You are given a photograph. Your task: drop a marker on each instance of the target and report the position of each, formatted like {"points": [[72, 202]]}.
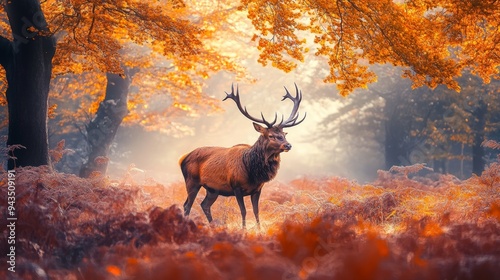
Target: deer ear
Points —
{"points": [[259, 128]]}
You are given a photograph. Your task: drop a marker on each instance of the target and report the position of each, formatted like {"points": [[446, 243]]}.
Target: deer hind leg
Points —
{"points": [[210, 198], [192, 188], [241, 203], [255, 204]]}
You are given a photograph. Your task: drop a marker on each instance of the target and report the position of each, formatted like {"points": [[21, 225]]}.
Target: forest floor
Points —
{"points": [[397, 227]]}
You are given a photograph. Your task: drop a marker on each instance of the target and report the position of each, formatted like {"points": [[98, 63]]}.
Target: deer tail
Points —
{"points": [[182, 159]]}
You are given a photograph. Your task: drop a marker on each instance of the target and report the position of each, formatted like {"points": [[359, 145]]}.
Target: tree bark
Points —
{"points": [[28, 66], [102, 128], [394, 151], [479, 132], [5, 51]]}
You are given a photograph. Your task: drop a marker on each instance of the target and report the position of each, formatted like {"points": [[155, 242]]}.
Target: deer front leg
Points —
{"points": [[255, 204], [241, 203]]}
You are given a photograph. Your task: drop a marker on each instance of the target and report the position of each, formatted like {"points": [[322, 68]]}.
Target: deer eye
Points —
{"points": [[280, 138], [271, 136]]}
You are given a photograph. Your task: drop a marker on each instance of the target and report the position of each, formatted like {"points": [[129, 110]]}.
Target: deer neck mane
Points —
{"points": [[261, 164]]}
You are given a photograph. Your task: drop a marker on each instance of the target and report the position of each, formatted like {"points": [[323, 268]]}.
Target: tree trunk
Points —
{"points": [[394, 151], [479, 132], [392, 148], [102, 129], [28, 66]]}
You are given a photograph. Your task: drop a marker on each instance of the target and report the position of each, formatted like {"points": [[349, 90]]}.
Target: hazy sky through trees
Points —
{"points": [[230, 127]]}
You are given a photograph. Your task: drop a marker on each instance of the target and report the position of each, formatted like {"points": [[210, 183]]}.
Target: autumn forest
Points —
{"points": [[305, 139]]}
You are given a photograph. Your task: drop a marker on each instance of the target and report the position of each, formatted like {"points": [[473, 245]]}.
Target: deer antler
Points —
{"points": [[243, 110], [292, 120]]}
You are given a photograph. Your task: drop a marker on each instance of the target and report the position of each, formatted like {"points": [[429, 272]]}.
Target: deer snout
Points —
{"points": [[286, 147]]}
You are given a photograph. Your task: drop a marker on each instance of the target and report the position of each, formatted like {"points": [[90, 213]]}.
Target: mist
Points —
{"points": [[157, 154], [323, 146]]}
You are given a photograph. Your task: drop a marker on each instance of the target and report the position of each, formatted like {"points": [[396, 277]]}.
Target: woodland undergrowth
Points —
{"points": [[401, 226]]}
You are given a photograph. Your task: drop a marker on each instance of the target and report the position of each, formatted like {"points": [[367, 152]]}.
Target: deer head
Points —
{"points": [[272, 134]]}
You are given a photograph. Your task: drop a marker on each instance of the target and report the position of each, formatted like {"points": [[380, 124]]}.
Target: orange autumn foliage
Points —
{"points": [[434, 40], [170, 42], [113, 270]]}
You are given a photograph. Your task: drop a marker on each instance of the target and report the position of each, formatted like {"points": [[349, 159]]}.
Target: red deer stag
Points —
{"points": [[242, 169]]}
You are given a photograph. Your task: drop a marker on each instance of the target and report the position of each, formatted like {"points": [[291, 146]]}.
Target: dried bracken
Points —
{"points": [[398, 228], [409, 169], [491, 144]]}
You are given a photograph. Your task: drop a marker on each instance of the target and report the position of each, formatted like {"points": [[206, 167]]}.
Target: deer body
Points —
{"points": [[237, 171], [224, 169]]}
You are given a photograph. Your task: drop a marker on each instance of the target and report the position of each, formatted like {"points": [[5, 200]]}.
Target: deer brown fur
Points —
{"points": [[240, 170]]}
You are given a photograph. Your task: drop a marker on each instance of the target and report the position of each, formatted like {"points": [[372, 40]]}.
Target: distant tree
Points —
{"points": [[419, 125], [90, 37], [101, 130], [166, 86], [380, 118], [468, 118]]}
